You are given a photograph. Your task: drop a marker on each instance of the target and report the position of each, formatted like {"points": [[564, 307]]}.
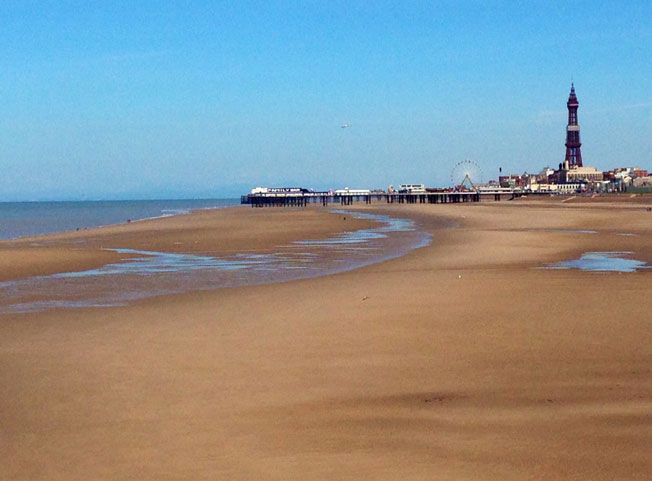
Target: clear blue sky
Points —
{"points": [[137, 99]]}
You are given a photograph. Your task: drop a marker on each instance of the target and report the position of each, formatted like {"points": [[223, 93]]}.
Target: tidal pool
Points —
{"points": [[602, 261]]}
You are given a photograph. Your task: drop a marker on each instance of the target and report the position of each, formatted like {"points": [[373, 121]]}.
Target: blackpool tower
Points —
{"points": [[573, 144]]}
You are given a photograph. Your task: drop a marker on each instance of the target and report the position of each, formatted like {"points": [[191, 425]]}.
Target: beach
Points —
{"points": [[463, 359]]}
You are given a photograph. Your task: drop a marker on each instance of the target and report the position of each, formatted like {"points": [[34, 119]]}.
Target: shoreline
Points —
{"points": [[160, 273], [458, 360], [203, 232]]}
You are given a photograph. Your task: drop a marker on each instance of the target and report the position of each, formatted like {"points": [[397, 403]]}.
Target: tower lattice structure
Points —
{"points": [[573, 144]]}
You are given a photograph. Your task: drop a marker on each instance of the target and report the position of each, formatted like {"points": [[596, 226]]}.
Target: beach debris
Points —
{"points": [[435, 399], [460, 276], [365, 298]]}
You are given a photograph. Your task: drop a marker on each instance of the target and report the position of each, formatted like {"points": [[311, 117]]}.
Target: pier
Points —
{"points": [[325, 198]]}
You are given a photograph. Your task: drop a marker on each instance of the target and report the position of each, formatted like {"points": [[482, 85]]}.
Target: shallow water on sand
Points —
{"points": [[148, 274], [602, 261]]}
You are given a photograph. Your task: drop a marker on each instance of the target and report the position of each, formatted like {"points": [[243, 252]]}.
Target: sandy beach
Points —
{"points": [[461, 360]]}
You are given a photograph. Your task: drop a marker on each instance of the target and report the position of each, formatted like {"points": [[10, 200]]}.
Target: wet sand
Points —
{"points": [[204, 232], [460, 360]]}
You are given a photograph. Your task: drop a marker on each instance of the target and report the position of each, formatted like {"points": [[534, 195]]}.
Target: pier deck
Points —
{"points": [[303, 199]]}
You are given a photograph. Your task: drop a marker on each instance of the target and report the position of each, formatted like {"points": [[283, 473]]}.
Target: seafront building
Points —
{"points": [[584, 174]]}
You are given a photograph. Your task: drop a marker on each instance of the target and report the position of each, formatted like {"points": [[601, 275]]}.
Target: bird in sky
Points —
{"points": [[346, 126]]}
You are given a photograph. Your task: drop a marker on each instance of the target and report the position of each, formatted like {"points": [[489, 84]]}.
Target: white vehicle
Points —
{"points": [[412, 188]]}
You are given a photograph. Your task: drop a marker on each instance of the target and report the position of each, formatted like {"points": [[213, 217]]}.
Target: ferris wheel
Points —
{"points": [[466, 173]]}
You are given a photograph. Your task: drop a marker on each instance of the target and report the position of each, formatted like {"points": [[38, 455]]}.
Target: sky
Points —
{"points": [[199, 99]]}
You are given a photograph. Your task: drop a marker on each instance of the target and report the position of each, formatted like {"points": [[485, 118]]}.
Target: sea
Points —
{"points": [[22, 219], [149, 273]]}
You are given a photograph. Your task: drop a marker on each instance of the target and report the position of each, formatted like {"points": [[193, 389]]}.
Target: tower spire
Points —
{"points": [[573, 144]]}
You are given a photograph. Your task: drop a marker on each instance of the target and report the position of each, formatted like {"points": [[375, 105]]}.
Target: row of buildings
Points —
{"points": [[571, 175], [579, 179]]}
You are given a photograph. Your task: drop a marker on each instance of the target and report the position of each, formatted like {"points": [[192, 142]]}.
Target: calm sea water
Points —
{"points": [[21, 219]]}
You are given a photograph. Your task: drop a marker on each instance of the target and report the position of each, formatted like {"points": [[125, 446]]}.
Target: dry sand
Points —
{"points": [[458, 361]]}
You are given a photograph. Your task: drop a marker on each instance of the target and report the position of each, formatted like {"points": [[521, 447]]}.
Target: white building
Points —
{"points": [[414, 188], [589, 174], [347, 191], [642, 181]]}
